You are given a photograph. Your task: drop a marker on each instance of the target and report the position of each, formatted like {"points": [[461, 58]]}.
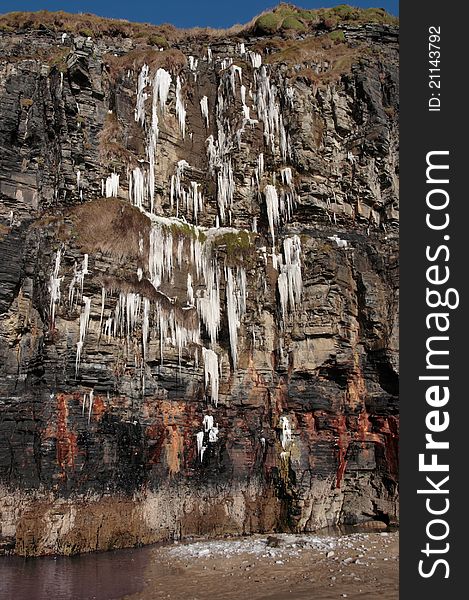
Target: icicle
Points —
{"points": [[78, 279], [259, 168], [200, 444], [286, 434], [145, 327], [180, 108], [256, 59], [209, 54], [142, 83], [190, 290], [78, 179], [54, 287], [242, 48], [90, 409], [290, 283], [211, 372], [286, 175], [233, 70], [84, 320], [112, 186], [103, 302], [235, 307], [271, 200], [161, 85], [204, 109], [137, 187], [208, 305]]}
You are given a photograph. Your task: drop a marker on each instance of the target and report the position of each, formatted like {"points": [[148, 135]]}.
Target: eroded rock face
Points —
{"points": [[199, 326]]}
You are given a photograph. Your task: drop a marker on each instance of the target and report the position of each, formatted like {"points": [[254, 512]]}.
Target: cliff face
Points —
{"points": [[199, 326]]}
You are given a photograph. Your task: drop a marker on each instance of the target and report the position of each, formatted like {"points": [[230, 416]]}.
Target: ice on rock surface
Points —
{"points": [[211, 373], [84, 320], [112, 186], [286, 433], [235, 307], [54, 287], [143, 81], [161, 85], [180, 108], [340, 243], [290, 282], [272, 203], [204, 109], [208, 434], [137, 187], [255, 58], [78, 280]]}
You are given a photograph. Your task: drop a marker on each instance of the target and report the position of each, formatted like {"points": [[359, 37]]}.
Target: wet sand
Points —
{"points": [[363, 565]]}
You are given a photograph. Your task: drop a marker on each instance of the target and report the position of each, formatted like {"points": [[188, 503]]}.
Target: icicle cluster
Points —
{"points": [[77, 281], [137, 187], [112, 186], [235, 306], [143, 81], [211, 372], [290, 282], [186, 199], [208, 435], [269, 112]]}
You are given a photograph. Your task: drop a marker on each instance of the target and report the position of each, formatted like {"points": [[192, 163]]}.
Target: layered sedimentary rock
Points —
{"points": [[199, 326]]}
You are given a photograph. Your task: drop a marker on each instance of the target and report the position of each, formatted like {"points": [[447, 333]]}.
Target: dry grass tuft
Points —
{"points": [[111, 226], [172, 60]]}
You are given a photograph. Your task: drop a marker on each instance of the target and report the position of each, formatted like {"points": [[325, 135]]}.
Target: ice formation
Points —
{"points": [[112, 186], [211, 372], [235, 307], [180, 108], [84, 320], [208, 435], [161, 85], [286, 433], [137, 187], [204, 109], [54, 287], [256, 59], [143, 81], [77, 281], [290, 282], [340, 243], [272, 204]]}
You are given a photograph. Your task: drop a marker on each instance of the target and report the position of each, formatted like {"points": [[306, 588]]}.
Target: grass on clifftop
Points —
{"points": [[287, 17], [284, 18]]}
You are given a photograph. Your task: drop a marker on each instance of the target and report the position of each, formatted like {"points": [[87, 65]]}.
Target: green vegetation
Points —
{"points": [[292, 22], [288, 17], [268, 23], [337, 36], [157, 40], [188, 231], [238, 246]]}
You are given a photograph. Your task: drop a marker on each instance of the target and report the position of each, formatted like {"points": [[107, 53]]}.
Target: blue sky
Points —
{"points": [[182, 13]]}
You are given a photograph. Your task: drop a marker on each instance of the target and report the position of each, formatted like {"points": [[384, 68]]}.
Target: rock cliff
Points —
{"points": [[199, 288]]}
